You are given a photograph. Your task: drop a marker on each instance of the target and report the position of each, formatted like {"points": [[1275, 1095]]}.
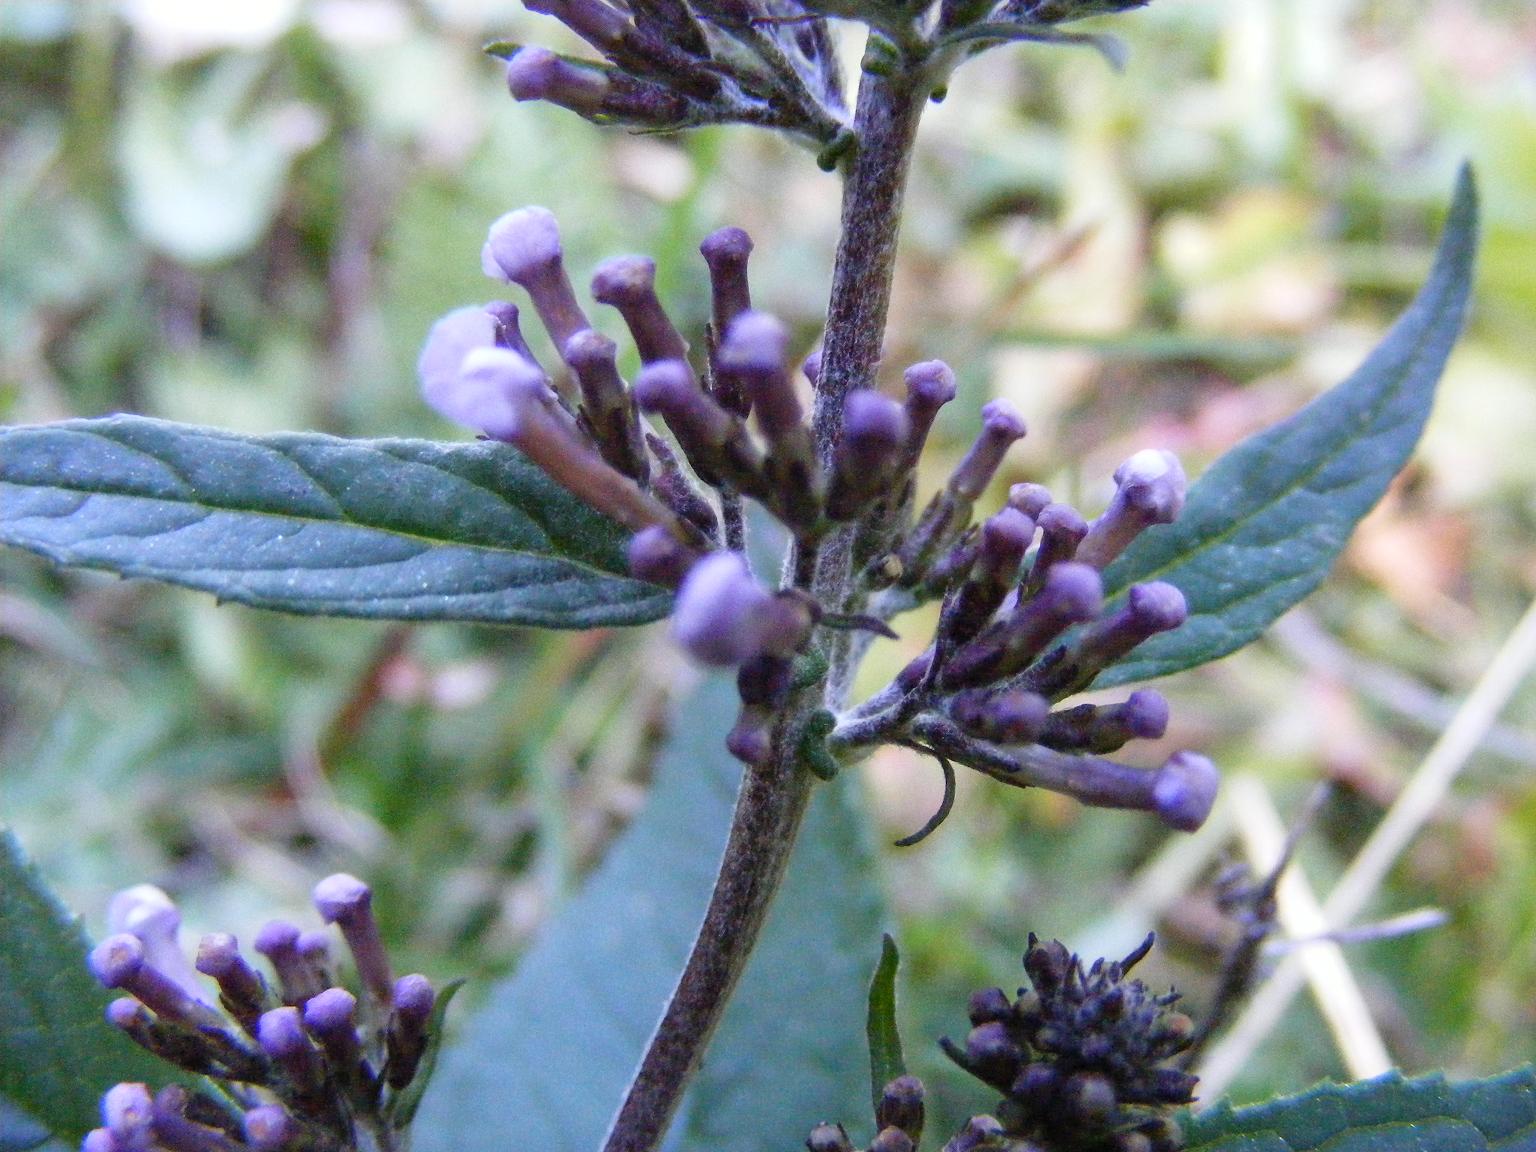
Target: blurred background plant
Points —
{"points": [[248, 215]]}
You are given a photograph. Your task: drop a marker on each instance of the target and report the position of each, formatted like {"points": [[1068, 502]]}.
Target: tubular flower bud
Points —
{"points": [[1004, 539], [345, 901], [269, 1128], [406, 1034], [875, 429], [278, 941], [451, 339], [1149, 609], [507, 322], [755, 351], [628, 283], [930, 386], [725, 252], [901, 1106], [127, 1111], [1001, 426], [1150, 489], [242, 992], [715, 442], [1073, 594], [148, 913], [656, 556], [610, 409], [1011, 717], [119, 962], [828, 1138], [598, 23], [1100, 729], [1061, 530], [280, 1033], [523, 247], [1030, 499], [538, 74], [175, 1131], [724, 616], [1185, 790]]}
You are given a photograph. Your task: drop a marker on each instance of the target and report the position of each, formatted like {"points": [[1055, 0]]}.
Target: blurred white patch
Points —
{"points": [[171, 30]]}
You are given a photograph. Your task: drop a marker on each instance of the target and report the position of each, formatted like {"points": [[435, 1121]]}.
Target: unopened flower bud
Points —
{"points": [[901, 1106], [148, 913], [979, 1132], [628, 283], [101, 1140], [988, 1005], [1184, 790], [726, 251], [1073, 594], [406, 1034], [127, 1111], [1030, 499], [755, 351], [347, 902], [875, 429], [538, 74], [1090, 1098], [331, 1018], [828, 1138], [1001, 426], [1004, 539], [523, 247], [119, 962], [930, 386], [721, 610], [269, 1128], [992, 1053], [1149, 609], [451, 339], [278, 941], [703, 429], [175, 1131], [610, 409], [1106, 728], [656, 556], [1150, 489], [242, 991], [1012, 717], [1062, 529], [281, 1035], [892, 1140]]}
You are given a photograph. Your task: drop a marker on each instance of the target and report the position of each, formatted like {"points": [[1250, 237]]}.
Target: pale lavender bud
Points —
{"points": [[119, 962], [1099, 729], [810, 367], [1061, 530], [657, 556], [1184, 790], [1150, 489], [281, 1035], [750, 739], [628, 283], [523, 247], [875, 429], [1143, 716], [930, 386], [127, 1014], [148, 913], [1004, 539], [1001, 425], [331, 1018], [702, 427], [242, 990], [538, 74], [507, 319], [609, 407], [176, 1132], [405, 1037], [127, 1112], [1073, 594], [269, 1128], [314, 949], [1012, 717], [347, 902], [1149, 609], [755, 351], [726, 252], [1030, 499], [828, 1138], [600, 24], [100, 1140], [442, 355], [720, 611], [278, 941]]}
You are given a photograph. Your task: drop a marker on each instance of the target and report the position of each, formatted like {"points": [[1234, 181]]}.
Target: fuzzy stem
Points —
{"points": [[773, 797]]}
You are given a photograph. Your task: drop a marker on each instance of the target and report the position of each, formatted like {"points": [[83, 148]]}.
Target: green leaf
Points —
{"points": [[395, 529], [885, 1059], [57, 1053], [1388, 1114], [545, 1060], [1265, 523]]}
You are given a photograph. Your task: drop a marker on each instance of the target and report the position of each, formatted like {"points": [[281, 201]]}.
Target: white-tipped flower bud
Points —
{"points": [[1184, 790], [721, 611]]}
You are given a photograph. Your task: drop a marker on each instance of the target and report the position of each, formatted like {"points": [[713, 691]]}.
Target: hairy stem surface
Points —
{"points": [[773, 797]]}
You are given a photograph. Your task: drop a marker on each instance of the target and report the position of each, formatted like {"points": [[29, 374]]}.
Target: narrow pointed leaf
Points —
{"points": [[886, 1061], [1266, 522], [312, 524], [1388, 1114], [57, 1052]]}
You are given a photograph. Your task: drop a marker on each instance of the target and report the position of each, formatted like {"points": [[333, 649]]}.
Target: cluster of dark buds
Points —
{"points": [[1082, 1058], [1023, 626], [672, 64], [294, 1063], [898, 1122]]}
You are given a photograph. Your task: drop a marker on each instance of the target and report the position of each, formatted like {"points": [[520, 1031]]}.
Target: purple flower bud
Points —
{"points": [[523, 247], [720, 611], [490, 392], [148, 913], [750, 739], [1012, 717], [537, 74], [828, 1138], [127, 1111], [242, 990], [599, 24], [280, 1033], [1073, 594], [127, 1014], [1150, 489], [875, 430], [930, 386], [656, 556], [810, 367], [176, 1132], [1030, 499], [1004, 538], [628, 283], [979, 1132], [1144, 715], [406, 1034], [119, 962], [442, 355], [1184, 790], [269, 1128], [1149, 609], [702, 427], [1061, 530], [726, 252], [1001, 426], [610, 409], [331, 1018], [100, 1140], [891, 1140], [345, 901], [756, 352], [278, 941]]}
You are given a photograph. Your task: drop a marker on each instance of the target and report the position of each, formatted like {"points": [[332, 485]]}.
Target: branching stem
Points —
{"points": [[773, 796]]}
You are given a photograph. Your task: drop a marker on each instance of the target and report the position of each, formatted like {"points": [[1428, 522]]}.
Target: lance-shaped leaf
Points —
{"points": [[1388, 1114], [387, 529], [1265, 523], [57, 1052]]}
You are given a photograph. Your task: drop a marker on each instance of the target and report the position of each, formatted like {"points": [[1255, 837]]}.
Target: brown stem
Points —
{"points": [[773, 796]]}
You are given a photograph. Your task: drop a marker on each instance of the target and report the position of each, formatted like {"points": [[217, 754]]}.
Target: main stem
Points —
{"points": [[773, 796]]}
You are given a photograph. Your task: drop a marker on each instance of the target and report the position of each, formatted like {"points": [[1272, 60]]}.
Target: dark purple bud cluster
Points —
{"points": [[1082, 1057], [899, 1115], [1024, 626], [304, 1064], [670, 64]]}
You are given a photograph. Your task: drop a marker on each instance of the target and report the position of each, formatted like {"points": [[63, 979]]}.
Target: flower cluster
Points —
{"points": [[1024, 624], [1082, 1057], [303, 1062]]}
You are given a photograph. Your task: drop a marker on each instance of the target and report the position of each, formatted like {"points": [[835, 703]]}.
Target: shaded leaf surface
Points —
{"points": [[57, 1053], [545, 1060], [1388, 1114], [393, 529], [1265, 523]]}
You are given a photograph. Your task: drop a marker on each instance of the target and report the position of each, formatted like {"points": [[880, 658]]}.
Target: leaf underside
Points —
{"points": [[317, 525], [545, 1060], [1388, 1114], [1266, 522], [57, 1052]]}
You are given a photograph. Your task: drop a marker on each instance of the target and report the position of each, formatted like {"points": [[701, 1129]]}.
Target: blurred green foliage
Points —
{"points": [[253, 227]]}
